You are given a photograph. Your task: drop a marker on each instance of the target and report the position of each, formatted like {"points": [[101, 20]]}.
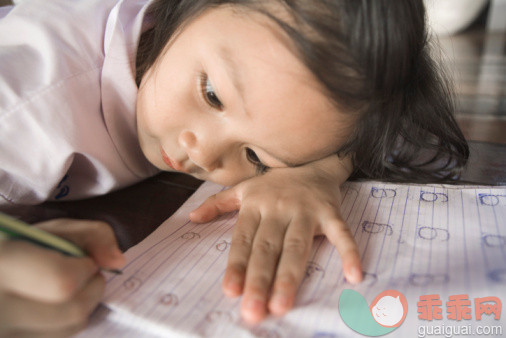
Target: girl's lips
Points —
{"points": [[173, 164], [166, 159]]}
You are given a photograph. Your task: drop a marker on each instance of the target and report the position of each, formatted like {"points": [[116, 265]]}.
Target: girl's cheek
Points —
{"points": [[231, 175]]}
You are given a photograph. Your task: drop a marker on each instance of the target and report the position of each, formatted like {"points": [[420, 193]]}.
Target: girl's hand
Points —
{"points": [[280, 213], [45, 293]]}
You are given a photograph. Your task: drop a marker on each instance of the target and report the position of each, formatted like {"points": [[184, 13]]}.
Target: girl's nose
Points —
{"points": [[202, 151]]}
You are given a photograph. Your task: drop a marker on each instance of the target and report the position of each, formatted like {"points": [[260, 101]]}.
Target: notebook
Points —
{"points": [[442, 247]]}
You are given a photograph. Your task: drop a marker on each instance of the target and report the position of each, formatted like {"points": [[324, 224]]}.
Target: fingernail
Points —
{"points": [[354, 275], [114, 251], [278, 303], [254, 304], [280, 299], [192, 216], [233, 287], [253, 310], [114, 271], [195, 216]]}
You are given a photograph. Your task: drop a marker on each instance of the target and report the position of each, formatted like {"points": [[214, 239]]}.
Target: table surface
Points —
{"points": [[475, 58]]}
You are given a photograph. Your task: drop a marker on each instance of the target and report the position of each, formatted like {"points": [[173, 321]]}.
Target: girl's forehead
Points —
{"points": [[247, 41], [252, 22]]}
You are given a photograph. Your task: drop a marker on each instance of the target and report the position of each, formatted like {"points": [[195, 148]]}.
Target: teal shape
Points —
{"points": [[355, 313]]}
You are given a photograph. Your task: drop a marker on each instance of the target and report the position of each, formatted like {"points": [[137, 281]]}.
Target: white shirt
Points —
{"points": [[67, 99]]}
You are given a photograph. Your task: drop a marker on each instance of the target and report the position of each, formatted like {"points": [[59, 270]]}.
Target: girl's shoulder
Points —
{"points": [[44, 42]]}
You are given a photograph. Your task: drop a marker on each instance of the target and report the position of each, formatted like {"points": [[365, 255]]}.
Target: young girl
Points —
{"points": [[282, 100]]}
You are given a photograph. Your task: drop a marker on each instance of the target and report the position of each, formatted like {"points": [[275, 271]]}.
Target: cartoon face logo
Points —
{"points": [[385, 314], [389, 308], [387, 311]]}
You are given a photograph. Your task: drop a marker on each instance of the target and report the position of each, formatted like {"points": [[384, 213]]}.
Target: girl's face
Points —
{"points": [[228, 97]]}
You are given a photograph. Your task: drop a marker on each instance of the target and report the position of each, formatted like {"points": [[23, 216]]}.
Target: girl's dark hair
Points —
{"points": [[373, 59]]}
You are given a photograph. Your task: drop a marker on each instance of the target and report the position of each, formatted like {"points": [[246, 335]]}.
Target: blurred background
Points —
{"points": [[472, 34]]}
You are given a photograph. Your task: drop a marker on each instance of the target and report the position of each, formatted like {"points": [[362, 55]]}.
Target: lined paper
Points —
{"points": [[417, 239]]}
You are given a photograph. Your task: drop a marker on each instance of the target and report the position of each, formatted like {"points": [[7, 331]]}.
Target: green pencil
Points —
{"points": [[13, 228]]}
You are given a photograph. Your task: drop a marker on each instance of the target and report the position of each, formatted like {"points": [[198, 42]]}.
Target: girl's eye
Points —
{"points": [[253, 158], [208, 93]]}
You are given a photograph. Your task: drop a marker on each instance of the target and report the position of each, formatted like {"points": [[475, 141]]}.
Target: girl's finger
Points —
{"points": [[95, 237], [42, 274], [240, 249], [340, 236], [215, 205], [262, 264], [291, 268], [20, 313]]}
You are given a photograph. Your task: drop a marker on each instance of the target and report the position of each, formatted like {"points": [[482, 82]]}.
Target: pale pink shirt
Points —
{"points": [[67, 99]]}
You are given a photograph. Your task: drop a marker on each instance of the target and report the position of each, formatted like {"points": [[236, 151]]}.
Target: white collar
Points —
{"points": [[119, 90]]}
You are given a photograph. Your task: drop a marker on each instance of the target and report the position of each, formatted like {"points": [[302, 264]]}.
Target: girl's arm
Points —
{"points": [[280, 213]]}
